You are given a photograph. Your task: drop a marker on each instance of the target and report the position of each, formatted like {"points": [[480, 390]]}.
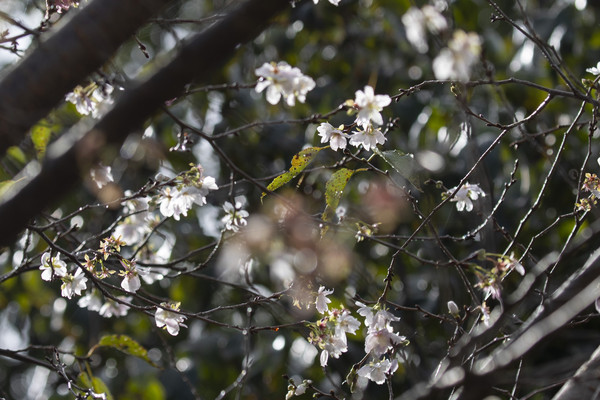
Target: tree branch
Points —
{"points": [[39, 82], [200, 57]]}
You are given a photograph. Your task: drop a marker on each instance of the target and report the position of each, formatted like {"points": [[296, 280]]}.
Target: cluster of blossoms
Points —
{"points": [[490, 281], [591, 184], [91, 99], [368, 107], [329, 334], [465, 196], [282, 80], [380, 343], [418, 21], [61, 5], [76, 283], [53, 267], [235, 217], [455, 61], [189, 189]]}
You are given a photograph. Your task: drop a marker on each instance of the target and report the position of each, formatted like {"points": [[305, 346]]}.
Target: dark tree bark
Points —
{"points": [[38, 83], [204, 54]]}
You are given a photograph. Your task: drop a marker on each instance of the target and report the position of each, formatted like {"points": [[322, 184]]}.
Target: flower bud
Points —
{"points": [[453, 308]]}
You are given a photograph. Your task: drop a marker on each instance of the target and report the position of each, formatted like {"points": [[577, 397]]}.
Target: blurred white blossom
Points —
{"points": [[282, 80], [455, 61], [101, 175], [418, 21]]}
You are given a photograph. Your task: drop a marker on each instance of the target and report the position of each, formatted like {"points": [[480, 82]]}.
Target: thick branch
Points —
{"points": [[57, 65], [199, 58]]}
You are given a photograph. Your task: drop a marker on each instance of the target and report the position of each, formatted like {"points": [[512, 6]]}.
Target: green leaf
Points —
{"points": [[94, 383], [40, 136], [124, 344], [15, 153], [403, 163], [299, 162], [334, 188]]}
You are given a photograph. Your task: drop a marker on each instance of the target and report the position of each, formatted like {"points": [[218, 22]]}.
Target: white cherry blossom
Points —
{"points": [[52, 266], [115, 309], [235, 217], [368, 138], [594, 70], [92, 301], [465, 196], [455, 61], [346, 323], [334, 2], [322, 300], [73, 284], [91, 99], [335, 136], [369, 107], [101, 175], [283, 80], [378, 342], [418, 21], [170, 320], [376, 371], [334, 346]]}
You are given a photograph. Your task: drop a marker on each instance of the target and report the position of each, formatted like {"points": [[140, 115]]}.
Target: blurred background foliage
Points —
{"points": [[343, 48]]}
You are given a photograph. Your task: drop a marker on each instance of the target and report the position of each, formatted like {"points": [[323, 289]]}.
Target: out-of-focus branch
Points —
{"points": [[57, 65], [199, 58], [577, 293], [585, 384]]}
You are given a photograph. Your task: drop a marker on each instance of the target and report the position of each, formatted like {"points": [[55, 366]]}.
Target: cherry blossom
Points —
{"points": [[369, 138], [235, 217], [91, 99], [322, 300], [465, 195], [92, 301], [52, 266], [73, 284], [455, 61], [378, 342], [64, 5], [594, 70], [376, 371], [333, 346], [169, 320], [418, 21], [282, 80], [113, 308], [335, 136], [131, 276], [101, 175], [334, 2], [369, 106], [175, 202], [346, 323]]}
